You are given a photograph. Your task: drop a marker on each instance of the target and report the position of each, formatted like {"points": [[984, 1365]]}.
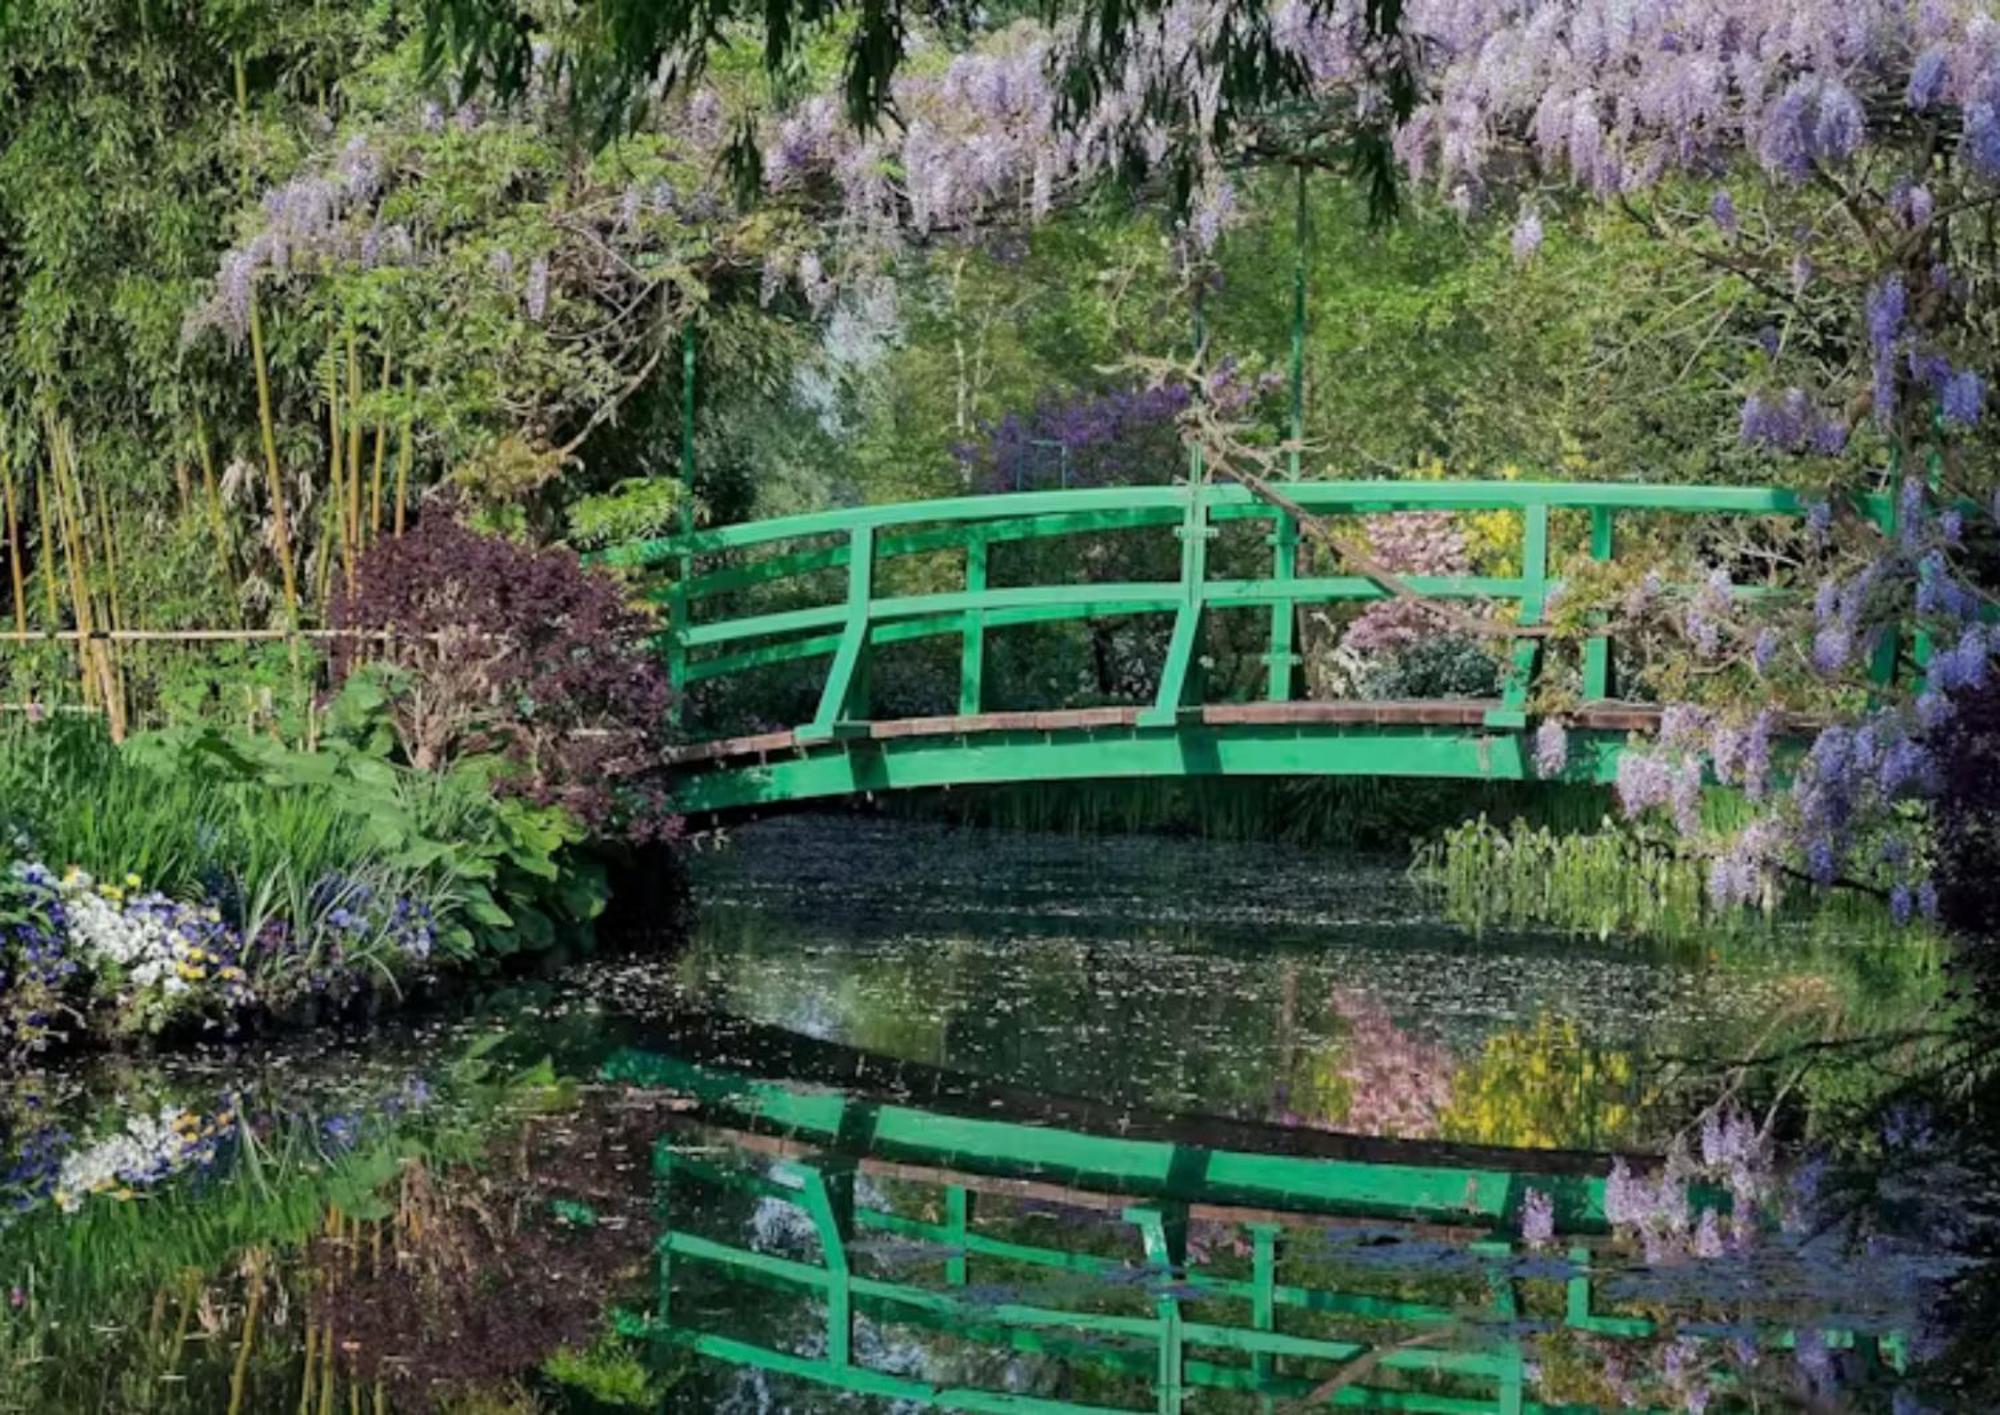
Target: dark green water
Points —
{"points": [[475, 1205]]}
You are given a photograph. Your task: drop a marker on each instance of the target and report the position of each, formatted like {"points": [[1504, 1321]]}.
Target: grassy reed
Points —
{"points": [[1342, 812], [1616, 881]]}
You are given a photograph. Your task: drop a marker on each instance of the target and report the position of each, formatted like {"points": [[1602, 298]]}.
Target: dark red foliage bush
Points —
{"points": [[500, 648]]}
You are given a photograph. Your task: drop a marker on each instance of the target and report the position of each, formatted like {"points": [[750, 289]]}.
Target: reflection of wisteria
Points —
{"points": [[1398, 1085], [1726, 1233]]}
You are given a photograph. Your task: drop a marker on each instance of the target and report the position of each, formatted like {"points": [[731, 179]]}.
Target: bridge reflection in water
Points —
{"points": [[952, 1259]]}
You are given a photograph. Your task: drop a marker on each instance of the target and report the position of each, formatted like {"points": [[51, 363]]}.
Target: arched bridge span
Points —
{"points": [[823, 594]]}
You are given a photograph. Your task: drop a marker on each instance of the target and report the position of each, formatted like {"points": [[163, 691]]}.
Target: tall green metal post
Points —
{"points": [[1299, 239], [677, 604], [1281, 659]]}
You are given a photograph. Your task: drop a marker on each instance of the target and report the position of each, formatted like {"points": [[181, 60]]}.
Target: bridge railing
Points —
{"points": [[708, 567]]}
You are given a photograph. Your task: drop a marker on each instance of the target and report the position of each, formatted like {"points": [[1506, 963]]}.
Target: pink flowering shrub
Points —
{"points": [[1410, 543]]}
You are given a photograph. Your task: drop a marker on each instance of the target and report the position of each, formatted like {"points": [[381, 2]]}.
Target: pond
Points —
{"points": [[932, 1118]]}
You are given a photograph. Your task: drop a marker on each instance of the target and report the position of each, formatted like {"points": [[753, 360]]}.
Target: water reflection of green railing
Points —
{"points": [[1438, 1351]]}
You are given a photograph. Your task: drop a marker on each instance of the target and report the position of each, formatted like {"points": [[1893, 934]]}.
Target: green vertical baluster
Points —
{"points": [[1175, 673], [1284, 568], [1164, 1233], [1513, 709], [1597, 650], [1513, 1379], [1263, 1298], [972, 659], [958, 1223], [828, 1196], [1576, 1290], [677, 601], [1300, 235], [839, 699]]}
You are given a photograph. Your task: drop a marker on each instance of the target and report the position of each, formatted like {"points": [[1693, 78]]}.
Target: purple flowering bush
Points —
{"points": [[499, 649]]}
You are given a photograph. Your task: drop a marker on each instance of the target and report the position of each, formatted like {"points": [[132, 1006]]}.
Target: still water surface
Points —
{"points": [[929, 1116]]}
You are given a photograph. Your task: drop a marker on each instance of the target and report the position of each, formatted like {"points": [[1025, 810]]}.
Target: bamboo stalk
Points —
{"points": [[336, 463], [14, 546], [326, 1369], [240, 1376], [281, 533], [306, 1385], [115, 604], [353, 508], [48, 566], [76, 508], [220, 636], [181, 1325], [403, 458], [79, 599], [381, 447], [211, 493]]}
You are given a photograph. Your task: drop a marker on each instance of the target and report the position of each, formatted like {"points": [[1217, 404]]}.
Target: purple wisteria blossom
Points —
{"points": [[1538, 1219], [1551, 748]]}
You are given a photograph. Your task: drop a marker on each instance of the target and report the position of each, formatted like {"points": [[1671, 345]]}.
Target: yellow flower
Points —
{"points": [[131, 881], [113, 893]]}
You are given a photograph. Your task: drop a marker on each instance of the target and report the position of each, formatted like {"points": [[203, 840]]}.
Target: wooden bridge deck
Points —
{"points": [[1449, 712]]}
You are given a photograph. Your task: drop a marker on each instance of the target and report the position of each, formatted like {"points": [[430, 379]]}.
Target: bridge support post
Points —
{"points": [[1281, 660], [1164, 1232], [972, 653], [1597, 649], [1180, 667], [828, 1197], [1513, 709], [1263, 1298], [847, 678], [957, 1222]]}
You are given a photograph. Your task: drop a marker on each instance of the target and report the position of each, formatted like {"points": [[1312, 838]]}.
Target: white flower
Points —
{"points": [[148, 1150]]}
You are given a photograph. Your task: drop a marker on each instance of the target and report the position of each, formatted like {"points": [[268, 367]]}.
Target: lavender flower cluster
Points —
{"points": [[1114, 438], [312, 223]]}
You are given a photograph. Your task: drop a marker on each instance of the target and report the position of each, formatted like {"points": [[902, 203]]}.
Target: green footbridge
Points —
{"points": [[826, 594]]}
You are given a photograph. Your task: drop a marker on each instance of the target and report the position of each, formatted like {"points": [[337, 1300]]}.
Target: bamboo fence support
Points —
{"points": [[15, 575]]}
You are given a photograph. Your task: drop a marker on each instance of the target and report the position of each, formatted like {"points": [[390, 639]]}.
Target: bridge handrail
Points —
{"points": [[1362, 497], [858, 539]]}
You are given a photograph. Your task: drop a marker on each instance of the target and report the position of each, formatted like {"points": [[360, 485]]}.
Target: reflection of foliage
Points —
{"points": [[1399, 1084], [607, 1373], [1541, 1087]]}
